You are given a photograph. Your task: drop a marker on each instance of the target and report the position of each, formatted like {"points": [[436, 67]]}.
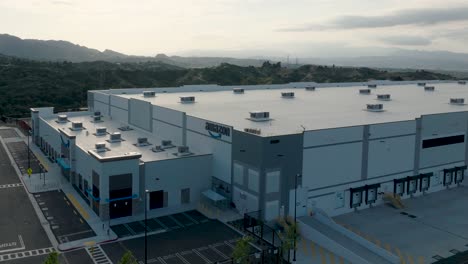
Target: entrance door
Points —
{"points": [[120, 203], [120, 208]]}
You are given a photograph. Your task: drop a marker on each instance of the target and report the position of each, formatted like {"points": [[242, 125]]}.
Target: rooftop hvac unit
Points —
{"points": [[238, 90], [166, 143], [149, 93], [364, 91], [100, 147], [115, 137], [457, 101], [375, 107], [372, 85], [77, 125], [461, 82], [97, 118], [287, 94], [429, 88], [183, 150], [421, 84], [101, 131], [259, 116], [125, 128], [255, 131], [310, 88], [142, 141], [97, 113], [157, 148], [187, 99], [62, 118], [383, 97]]}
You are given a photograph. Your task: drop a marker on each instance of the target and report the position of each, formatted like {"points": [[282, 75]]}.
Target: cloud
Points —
{"points": [[406, 41], [424, 16]]}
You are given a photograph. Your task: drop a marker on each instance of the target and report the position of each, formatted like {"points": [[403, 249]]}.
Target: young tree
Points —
{"points": [[128, 258], [290, 235], [52, 258], [241, 251]]}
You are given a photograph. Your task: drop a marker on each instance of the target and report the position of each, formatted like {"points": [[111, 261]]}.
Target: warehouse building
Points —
{"points": [[345, 144]]}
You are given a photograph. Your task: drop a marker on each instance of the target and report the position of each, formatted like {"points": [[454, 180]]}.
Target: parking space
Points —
{"points": [[19, 151], [200, 243], [170, 222], [431, 227], [8, 174], [66, 222], [8, 133]]}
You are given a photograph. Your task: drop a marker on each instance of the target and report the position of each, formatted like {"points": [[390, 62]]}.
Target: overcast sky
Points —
{"points": [[296, 27]]}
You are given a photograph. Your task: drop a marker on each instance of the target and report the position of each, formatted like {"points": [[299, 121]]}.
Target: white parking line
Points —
{"points": [[26, 254], [14, 185], [22, 247]]}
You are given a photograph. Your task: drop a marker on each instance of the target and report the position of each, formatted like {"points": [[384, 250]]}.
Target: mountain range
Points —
{"points": [[59, 50]]}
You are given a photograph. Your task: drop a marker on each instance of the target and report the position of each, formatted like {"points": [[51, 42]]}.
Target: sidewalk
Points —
{"points": [[55, 181]]}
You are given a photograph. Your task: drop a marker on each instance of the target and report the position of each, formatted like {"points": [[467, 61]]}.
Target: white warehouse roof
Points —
{"points": [[326, 107]]}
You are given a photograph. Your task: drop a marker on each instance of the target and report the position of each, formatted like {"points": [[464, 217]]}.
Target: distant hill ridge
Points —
{"points": [[59, 50]]}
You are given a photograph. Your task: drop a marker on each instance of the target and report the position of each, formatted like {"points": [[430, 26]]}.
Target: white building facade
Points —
{"points": [[250, 144]]}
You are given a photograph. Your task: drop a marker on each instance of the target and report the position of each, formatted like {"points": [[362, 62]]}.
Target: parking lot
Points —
{"points": [[170, 222], [19, 151], [66, 222], [8, 133], [202, 243], [21, 233], [431, 227]]}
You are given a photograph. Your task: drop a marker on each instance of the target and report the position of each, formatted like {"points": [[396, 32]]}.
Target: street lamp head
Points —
{"points": [[146, 191]]}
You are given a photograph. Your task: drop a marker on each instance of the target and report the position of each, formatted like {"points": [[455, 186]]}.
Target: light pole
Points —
{"points": [[29, 150], [146, 228], [295, 210]]}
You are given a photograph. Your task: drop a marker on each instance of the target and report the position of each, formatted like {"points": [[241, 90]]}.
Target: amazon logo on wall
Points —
{"points": [[217, 131]]}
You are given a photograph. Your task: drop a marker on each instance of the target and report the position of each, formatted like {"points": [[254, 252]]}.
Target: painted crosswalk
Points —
{"points": [[97, 255], [25, 254], [13, 185]]}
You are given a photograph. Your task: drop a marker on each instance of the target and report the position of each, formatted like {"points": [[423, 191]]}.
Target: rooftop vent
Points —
{"points": [[166, 144], [372, 86], [429, 88], [149, 93], [115, 137], [421, 83], [364, 91], [100, 131], [383, 97], [461, 82], [157, 148], [374, 107], [187, 99], [183, 151], [310, 88], [287, 94], [259, 116], [142, 141], [457, 101], [77, 126], [125, 128], [238, 90], [97, 119], [255, 131], [62, 119], [100, 147]]}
